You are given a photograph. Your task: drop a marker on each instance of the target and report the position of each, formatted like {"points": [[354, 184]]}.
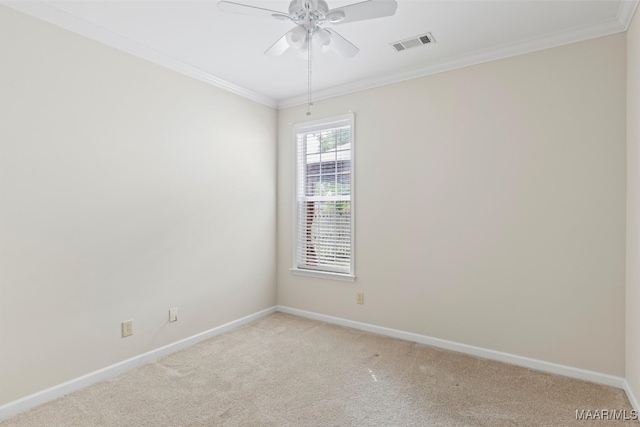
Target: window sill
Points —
{"points": [[323, 275]]}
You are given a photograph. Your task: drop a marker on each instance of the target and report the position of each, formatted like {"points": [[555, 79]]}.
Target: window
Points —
{"points": [[323, 245]]}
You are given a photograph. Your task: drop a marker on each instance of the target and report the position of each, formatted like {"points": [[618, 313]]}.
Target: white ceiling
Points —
{"points": [[196, 38]]}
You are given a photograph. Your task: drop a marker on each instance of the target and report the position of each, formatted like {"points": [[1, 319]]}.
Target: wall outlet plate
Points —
{"points": [[127, 328], [173, 315], [360, 298]]}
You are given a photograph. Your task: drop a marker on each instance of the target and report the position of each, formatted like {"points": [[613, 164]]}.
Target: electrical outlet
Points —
{"points": [[360, 298], [173, 315], [127, 328]]}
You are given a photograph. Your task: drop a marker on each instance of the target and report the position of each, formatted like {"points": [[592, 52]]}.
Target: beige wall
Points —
{"points": [[490, 206], [633, 207], [126, 189]]}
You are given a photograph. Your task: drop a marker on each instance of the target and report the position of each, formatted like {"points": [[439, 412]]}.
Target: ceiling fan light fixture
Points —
{"points": [[322, 38], [296, 38]]}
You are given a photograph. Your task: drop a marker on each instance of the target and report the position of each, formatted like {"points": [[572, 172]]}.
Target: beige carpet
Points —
{"points": [[287, 371]]}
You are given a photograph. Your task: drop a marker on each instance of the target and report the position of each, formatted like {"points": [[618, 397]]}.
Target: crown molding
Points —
{"points": [[42, 10], [605, 28], [46, 12], [626, 11]]}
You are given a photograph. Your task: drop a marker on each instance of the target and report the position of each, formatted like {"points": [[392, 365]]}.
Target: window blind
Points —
{"points": [[324, 190]]}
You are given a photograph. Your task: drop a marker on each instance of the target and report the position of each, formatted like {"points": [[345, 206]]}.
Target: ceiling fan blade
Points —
{"points": [[341, 46], [365, 10], [279, 47], [244, 9]]}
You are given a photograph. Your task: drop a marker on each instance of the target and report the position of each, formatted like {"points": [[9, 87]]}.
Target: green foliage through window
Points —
{"points": [[333, 138]]}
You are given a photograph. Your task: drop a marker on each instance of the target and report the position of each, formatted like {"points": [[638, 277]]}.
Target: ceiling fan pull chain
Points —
{"points": [[309, 103]]}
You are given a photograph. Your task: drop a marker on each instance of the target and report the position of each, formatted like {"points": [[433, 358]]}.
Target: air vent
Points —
{"points": [[413, 42]]}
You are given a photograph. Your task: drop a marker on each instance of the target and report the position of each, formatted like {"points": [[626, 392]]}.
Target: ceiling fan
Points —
{"points": [[309, 17]]}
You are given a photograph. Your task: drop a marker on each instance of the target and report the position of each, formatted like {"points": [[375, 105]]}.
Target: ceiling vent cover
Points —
{"points": [[416, 41]]}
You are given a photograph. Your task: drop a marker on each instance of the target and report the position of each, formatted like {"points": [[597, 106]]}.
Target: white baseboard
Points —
{"points": [[631, 396], [28, 402], [539, 365]]}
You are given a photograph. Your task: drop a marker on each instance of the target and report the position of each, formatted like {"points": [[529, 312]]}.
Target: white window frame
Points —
{"points": [[314, 126]]}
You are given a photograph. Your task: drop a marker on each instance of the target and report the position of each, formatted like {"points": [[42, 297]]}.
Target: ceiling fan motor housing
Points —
{"points": [[309, 13]]}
